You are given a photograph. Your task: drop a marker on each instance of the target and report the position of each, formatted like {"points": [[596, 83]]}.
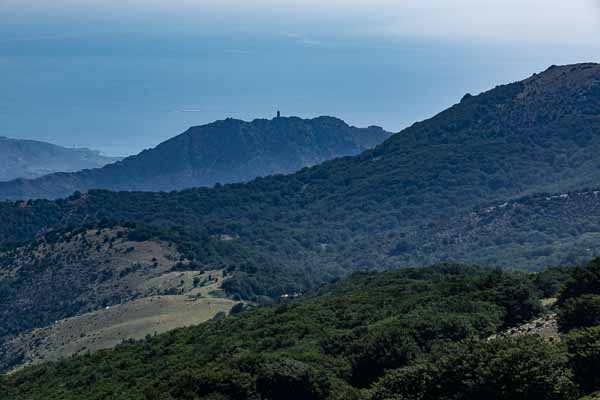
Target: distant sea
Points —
{"points": [[121, 95]]}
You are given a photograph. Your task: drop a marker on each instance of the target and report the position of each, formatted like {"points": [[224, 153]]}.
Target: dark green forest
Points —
{"points": [[421, 197], [504, 179], [408, 334]]}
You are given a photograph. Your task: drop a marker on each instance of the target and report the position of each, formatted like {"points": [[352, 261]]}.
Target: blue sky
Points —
{"points": [[121, 76]]}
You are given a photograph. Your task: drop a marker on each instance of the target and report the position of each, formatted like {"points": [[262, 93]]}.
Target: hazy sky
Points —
{"points": [[121, 76]]}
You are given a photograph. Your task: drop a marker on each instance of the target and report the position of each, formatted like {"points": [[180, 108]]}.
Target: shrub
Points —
{"points": [[579, 312], [584, 280], [388, 348], [508, 368], [519, 299], [584, 351], [286, 378]]}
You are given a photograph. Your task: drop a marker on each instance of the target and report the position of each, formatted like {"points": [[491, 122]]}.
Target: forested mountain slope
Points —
{"points": [[370, 211], [410, 334], [527, 232], [222, 152]]}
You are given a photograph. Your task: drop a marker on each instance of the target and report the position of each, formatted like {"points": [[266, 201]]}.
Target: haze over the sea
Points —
{"points": [[100, 75]]}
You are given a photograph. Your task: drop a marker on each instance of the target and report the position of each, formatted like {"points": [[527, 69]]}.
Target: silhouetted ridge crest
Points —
{"points": [[225, 151], [413, 200]]}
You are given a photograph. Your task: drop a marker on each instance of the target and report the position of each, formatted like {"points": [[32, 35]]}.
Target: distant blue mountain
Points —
{"points": [[225, 151], [32, 159]]}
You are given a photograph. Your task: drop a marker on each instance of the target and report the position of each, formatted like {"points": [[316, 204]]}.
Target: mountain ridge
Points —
{"points": [[538, 135], [26, 158], [224, 151], [500, 179]]}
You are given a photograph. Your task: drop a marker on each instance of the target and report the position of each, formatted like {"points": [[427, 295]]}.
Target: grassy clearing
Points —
{"points": [[197, 301]]}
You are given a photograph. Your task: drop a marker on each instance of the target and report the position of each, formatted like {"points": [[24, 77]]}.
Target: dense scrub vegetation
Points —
{"points": [[579, 318], [408, 334], [358, 338], [419, 198]]}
